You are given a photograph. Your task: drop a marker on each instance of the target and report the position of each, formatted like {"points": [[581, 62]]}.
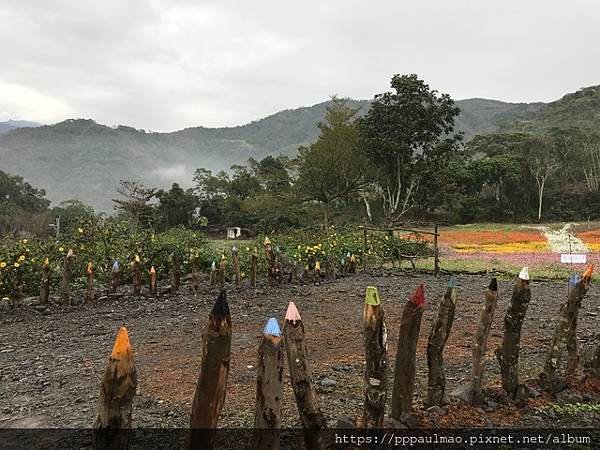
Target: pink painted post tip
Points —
{"points": [[292, 313]]}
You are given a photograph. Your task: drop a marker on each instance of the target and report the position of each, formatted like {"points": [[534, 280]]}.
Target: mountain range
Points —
{"points": [[79, 158]]}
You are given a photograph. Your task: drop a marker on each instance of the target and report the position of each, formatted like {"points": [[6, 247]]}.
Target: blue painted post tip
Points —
{"points": [[272, 327]]}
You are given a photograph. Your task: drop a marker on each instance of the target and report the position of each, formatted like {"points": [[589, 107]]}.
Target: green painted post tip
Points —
{"points": [[372, 296]]}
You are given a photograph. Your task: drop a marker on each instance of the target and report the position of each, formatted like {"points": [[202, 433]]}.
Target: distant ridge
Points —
{"points": [[14, 124]]}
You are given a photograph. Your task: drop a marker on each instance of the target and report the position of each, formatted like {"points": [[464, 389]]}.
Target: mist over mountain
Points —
{"points": [[79, 158], [9, 125]]}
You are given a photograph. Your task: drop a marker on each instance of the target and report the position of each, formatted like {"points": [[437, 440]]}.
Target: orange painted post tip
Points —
{"points": [[122, 345], [292, 313], [90, 267], [46, 262], [588, 272]]}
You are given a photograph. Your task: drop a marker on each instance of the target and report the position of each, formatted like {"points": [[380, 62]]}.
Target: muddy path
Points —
{"points": [[51, 363]]}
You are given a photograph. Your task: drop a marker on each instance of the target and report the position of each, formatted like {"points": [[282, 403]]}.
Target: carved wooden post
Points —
{"points": [[235, 259], [222, 275], [436, 252], [404, 372], [195, 274], [481, 339], [117, 390], [114, 277], [45, 283], [508, 353], [271, 261], [153, 286], [300, 378], [376, 365], [90, 291], [175, 272], [254, 267], [65, 291], [269, 387], [213, 274], [136, 270]]}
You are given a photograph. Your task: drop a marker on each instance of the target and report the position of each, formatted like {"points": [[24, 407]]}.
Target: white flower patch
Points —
{"points": [[561, 241]]}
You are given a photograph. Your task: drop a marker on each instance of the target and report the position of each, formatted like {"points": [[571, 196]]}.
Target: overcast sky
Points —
{"points": [[167, 64]]}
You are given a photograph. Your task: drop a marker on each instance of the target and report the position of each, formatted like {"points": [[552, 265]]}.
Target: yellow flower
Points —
{"points": [[21, 258], [2, 264], [16, 264], [24, 241], [80, 230], [61, 249]]}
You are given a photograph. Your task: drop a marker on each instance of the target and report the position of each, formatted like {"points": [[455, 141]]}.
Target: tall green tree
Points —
{"points": [[402, 135], [176, 207], [333, 166]]}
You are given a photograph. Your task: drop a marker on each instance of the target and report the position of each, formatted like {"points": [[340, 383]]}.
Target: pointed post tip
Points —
{"points": [[372, 296], [452, 283], [122, 345], [292, 313], [221, 307], [588, 272], [524, 274], [272, 327], [418, 297], [493, 285]]}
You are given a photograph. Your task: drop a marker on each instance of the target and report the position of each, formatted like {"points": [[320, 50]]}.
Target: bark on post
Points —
{"points": [[376, 365], [235, 260], [508, 353], [175, 272], [18, 286], [117, 390], [269, 388], [440, 331], [222, 275], [300, 378], [65, 287], [404, 372], [195, 274], [45, 283], [211, 387], [271, 261], [153, 287], [213, 274], [566, 332], [595, 363], [136, 269], [90, 291], [352, 264], [436, 252], [481, 339], [365, 245], [114, 277], [317, 273], [253, 267]]}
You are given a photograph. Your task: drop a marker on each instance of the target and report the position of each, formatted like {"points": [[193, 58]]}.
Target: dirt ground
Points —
{"points": [[51, 362]]}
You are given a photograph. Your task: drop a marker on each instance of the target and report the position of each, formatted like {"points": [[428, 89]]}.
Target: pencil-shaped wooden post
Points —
{"points": [[253, 267], [566, 331], [209, 396], [595, 363], [481, 339], [65, 287], [300, 378], [235, 260], [114, 277], [404, 371], [213, 274], [136, 269], [195, 274], [45, 283], [222, 274], [440, 331], [352, 264], [376, 364], [271, 261], [153, 286], [175, 272], [436, 252], [508, 353], [117, 390], [90, 292], [269, 387], [317, 272]]}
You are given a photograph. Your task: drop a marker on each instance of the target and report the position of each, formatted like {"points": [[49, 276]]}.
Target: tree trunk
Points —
{"points": [[481, 338], [440, 331], [404, 371], [211, 387], [117, 390], [269, 388], [508, 353], [368, 209], [300, 378], [375, 360], [540, 198]]}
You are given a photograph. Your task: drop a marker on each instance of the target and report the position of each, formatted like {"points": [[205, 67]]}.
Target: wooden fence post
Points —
{"points": [[90, 291], [404, 371], [195, 274], [235, 260], [271, 261], [213, 274], [508, 353], [114, 277], [440, 331], [211, 387], [481, 338], [117, 390], [222, 275], [175, 272], [45, 283], [153, 284], [136, 275], [254, 267], [269, 388], [65, 291], [300, 378], [436, 252], [566, 332], [376, 365]]}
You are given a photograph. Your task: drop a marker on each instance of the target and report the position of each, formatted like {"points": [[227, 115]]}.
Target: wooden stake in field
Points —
{"points": [[209, 396], [114, 277], [269, 387], [136, 269], [195, 274], [153, 287], [317, 272], [404, 372], [440, 331], [271, 261], [481, 339], [117, 390], [175, 272], [65, 291], [253, 267], [351, 264], [222, 275], [213, 274], [90, 292], [566, 332], [235, 259], [45, 283], [376, 364], [508, 353], [300, 378]]}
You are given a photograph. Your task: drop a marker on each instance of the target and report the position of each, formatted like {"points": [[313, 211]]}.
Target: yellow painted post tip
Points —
{"points": [[267, 241], [372, 296]]}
